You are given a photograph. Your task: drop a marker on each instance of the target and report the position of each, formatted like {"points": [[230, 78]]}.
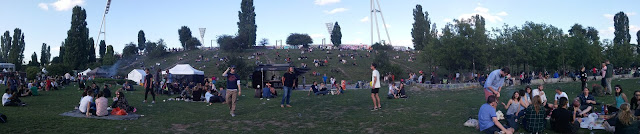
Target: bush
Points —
{"points": [[32, 71], [110, 81], [58, 69]]}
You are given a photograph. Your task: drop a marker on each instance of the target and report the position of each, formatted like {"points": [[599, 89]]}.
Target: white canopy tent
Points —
{"points": [[137, 75], [184, 72], [184, 69], [84, 73]]}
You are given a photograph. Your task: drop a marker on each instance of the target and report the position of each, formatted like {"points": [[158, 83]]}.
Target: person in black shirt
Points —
{"points": [[316, 91], [148, 86], [562, 120], [106, 92], [583, 77], [288, 80]]}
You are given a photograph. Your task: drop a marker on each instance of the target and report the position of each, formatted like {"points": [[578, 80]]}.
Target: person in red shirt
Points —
{"points": [[48, 86]]}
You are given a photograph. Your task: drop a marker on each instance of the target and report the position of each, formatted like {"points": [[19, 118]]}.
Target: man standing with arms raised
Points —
{"points": [[375, 87], [494, 82], [233, 88], [288, 80]]}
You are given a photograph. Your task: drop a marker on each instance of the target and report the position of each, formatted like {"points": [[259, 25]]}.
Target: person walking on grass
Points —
{"points": [[233, 88], [148, 87], [375, 87], [609, 75], [288, 80], [494, 82]]}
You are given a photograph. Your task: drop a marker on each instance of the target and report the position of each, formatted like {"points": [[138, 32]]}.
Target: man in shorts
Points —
{"points": [[375, 87]]}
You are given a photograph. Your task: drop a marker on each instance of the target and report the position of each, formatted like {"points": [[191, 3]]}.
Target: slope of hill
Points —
{"points": [[347, 71]]}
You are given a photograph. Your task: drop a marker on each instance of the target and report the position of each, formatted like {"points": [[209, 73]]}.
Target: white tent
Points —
{"points": [[184, 69], [84, 73], [136, 75], [186, 73]]}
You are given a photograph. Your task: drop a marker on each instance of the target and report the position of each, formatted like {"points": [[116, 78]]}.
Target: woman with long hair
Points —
{"points": [[535, 116], [513, 110], [627, 123]]}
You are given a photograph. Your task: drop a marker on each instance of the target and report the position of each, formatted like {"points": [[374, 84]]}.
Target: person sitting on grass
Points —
{"points": [[120, 101], [34, 90], [620, 98], [401, 92], [315, 90], [562, 120], [197, 92], [534, 119], [106, 91], [488, 120], [586, 102], [513, 110], [186, 93], [11, 99], [212, 97], [87, 106], [393, 91], [266, 91], [101, 105]]}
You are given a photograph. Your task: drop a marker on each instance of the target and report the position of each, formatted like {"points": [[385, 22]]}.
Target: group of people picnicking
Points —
{"points": [[529, 108], [18, 86]]}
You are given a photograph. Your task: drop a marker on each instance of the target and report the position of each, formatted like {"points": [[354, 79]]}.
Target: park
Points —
{"points": [[434, 83]]}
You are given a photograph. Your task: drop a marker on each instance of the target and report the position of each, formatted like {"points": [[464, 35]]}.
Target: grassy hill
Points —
{"points": [[348, 71]]}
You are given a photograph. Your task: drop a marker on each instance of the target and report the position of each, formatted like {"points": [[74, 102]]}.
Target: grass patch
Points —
{"points": [[423, 112]]}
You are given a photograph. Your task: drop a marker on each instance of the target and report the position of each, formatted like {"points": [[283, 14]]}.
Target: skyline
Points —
{"points": [[47, 21]]}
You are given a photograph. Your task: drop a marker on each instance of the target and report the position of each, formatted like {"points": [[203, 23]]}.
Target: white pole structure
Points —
{"points": [[371, 20], [202, 30], [385, 24], [103, 26]]}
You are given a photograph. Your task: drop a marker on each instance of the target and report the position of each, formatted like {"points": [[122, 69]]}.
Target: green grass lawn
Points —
{"points": [[423, 112]]}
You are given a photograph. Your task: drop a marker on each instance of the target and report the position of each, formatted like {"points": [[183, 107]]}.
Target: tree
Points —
{"points": [[61, 53], [186, 39], [34, 60], [420, 31], [247, 24], [621, 26], [264, 42], [129, 50], [159, 49], [5, 45], [109, 57], [45, 54], [336, 35], [76, 43], [378, 46], [228, 43], [17, 49], [384, 65], [103, 48], [32, 71], [296, 39], [91, 50], [142, 40]]}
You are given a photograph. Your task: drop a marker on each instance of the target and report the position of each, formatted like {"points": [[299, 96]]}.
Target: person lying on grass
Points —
{"points": [[213, 97]]}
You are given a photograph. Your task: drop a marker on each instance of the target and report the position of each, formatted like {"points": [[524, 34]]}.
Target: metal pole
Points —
{"points": [[377, 26], [371, 20], [385, 24]]}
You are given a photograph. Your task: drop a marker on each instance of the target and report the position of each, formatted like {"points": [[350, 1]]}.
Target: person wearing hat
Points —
{"points": [[233, 88]]}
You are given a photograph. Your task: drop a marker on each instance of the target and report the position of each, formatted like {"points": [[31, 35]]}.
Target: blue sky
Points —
{"points": [[47, 21]]}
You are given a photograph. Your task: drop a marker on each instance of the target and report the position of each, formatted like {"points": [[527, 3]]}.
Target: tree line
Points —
{"points": [[466, 45]]}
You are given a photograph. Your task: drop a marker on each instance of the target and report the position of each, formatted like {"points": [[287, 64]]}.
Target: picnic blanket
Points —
{"points": [[76, 113]]}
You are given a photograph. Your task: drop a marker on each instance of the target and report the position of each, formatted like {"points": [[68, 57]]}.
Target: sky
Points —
{"points": [[47, 21]]}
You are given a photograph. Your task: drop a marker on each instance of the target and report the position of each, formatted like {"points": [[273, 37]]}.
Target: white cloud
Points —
{"points": [[502, 13], [631, 14], [633, 29], [337, 10], [64, 5], [354, 41], [317, 35], [325, 2], [484, 12], [43, 6], [365, 19], [388, 26], [447, 20]]}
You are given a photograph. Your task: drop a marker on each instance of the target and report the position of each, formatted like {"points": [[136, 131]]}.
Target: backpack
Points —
{"points": [[3, 118]]}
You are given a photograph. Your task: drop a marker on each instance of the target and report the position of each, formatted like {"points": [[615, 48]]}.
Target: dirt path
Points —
{"points": [[345, 74], [405, 66]]}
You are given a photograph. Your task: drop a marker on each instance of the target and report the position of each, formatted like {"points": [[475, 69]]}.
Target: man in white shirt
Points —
{"points": [[86, 103], [5, 97], [539, 91], [559, 94], [375, 87]]}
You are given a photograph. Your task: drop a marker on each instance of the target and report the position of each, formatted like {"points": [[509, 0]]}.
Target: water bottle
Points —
{"points": [[603, 109]]}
